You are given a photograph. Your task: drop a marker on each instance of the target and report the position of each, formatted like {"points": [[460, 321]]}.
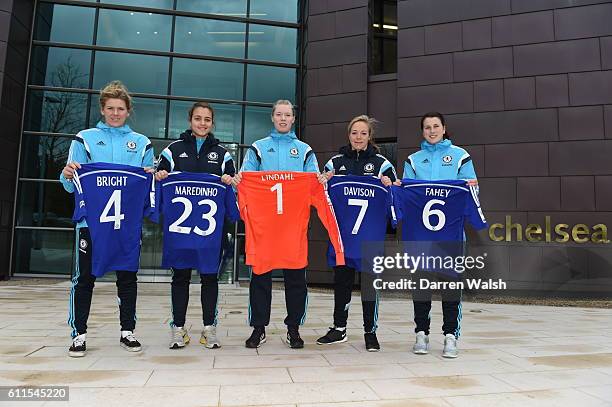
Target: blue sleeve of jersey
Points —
{"points": [[390, 205], [80, 210], [231, 205], [329, 166], [250, 162], [397, 203], [155, 199], [77, 153], [473, 211], [311, 164], [408, 170]]}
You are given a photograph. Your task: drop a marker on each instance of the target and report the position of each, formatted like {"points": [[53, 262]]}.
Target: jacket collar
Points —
{"points": [[188, 136], [348, 151], [123, 129], [282, 136], [434, 147]]}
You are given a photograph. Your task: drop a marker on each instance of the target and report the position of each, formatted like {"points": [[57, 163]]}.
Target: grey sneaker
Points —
{"points": [[178, 337], [450, 347], [209, 337], [421, 346]]}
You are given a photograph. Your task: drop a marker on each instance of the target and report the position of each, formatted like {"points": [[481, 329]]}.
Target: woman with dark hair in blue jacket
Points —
{"points": [[438, 159]]}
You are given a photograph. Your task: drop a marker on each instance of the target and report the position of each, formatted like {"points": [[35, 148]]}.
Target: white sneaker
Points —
{"points": [[178, 337], [129, 342], [450, 347], [209, 337], [78, 348], [421, 346]]}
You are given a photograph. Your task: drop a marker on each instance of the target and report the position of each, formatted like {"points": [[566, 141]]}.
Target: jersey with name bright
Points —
{"points": [[113, 199], [362, 206], [437, 210], [275, 207], [194, 207]]}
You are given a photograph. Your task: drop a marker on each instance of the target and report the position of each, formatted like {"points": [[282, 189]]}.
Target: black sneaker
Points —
{"points": [[293, 338], [129, 342], [371, 342], [257, 338], [333, 336], [78, 348]]}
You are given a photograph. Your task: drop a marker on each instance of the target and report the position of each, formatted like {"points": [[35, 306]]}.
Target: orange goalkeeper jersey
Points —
{"points": [[275, 207]]}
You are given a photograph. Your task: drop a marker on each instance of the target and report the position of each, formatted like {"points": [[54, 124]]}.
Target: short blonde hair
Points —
{"points": [[116, 90], [282, 102]]}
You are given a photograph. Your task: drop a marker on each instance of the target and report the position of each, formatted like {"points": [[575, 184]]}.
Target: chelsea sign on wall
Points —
{"points": [[548, 233]]}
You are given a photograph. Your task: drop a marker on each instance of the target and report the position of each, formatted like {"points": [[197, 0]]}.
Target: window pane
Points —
{"points": [[140, 73], [207, 79], [167, 4], [226, 7], [277, 44], [44, 204], [43, 156], [258, 123], [61, 67], [148, 116], [228, 120], [44, 251], [286, 10], [128, 29], [56, 112], [268, 83], [60, 23], [209, 37]]}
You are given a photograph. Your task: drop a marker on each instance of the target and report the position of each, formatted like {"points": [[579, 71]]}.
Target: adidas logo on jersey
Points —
{"points": [[100, 143], [343, 168], [426, 161], [271, 150], [183, 155]]}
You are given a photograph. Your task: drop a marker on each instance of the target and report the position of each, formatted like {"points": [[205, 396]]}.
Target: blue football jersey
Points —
{"points": [[437, 210], [362, 206], [113, 199], [194, 207]]}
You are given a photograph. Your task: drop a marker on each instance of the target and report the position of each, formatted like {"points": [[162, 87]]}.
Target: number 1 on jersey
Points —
{"points": [[279, 197], [114, 202]]}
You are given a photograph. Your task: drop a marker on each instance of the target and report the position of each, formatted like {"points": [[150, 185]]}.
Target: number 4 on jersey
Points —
{"points": [[114, 203]]}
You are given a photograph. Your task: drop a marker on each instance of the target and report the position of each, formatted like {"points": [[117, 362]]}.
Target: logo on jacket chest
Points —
{"points": [[212, 157], [447, 160], [294, 153], [368, 169], [131, 146]]}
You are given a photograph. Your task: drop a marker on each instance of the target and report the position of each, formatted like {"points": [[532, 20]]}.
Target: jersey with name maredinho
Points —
{"points": [[113, 199], [362, 206], [194, 207], [275, 207], [437, 210]]}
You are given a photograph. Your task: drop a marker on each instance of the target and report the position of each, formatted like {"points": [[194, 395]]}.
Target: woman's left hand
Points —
{"points": [[386, 181], [472, 182], [149, 170], [226, 179], [323, 178]]}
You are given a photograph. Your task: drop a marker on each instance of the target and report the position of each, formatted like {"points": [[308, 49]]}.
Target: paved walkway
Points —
{"points": [[511, 355]]}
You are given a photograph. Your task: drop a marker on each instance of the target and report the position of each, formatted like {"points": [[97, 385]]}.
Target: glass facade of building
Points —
{"points": [[241, 55]]}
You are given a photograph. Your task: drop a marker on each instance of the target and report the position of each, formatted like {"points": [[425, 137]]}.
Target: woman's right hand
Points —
{"points": [[70, 168], [236, 180], [397, 182], [161, 174]]}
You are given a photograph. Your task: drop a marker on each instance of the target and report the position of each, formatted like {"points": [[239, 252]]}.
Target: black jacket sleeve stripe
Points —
{"points": [[256, 153]]}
